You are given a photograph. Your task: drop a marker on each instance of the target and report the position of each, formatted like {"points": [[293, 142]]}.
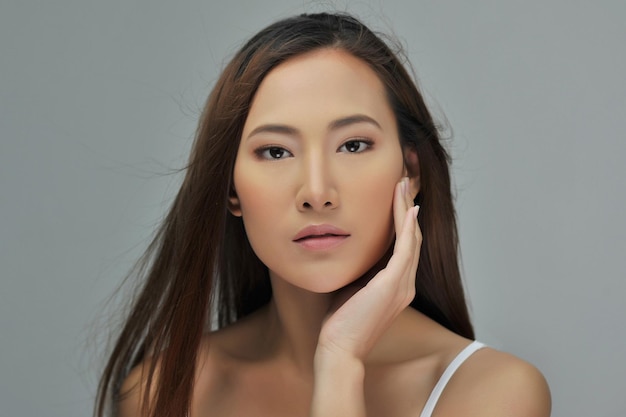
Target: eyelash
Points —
{"points": [[265, 151], [367, 142]]}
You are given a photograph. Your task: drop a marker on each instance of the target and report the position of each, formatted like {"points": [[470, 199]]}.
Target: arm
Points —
{"points": [[350, 332], [338, 386]]}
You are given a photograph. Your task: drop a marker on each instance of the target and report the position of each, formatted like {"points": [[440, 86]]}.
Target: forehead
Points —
{"points": [[317, 87]]}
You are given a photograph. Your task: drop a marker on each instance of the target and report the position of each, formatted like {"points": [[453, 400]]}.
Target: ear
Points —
{"points": [[234, 206], [412, 170]]}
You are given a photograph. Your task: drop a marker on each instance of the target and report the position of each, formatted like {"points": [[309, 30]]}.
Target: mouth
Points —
{"points": [[320, 237]]}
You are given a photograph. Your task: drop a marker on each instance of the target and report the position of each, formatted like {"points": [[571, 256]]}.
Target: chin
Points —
{"points": [[332, 284], [329, 285]]}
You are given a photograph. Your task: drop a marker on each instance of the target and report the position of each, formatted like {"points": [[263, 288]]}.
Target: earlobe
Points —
{"points": [[412, 170], [233, 204]]}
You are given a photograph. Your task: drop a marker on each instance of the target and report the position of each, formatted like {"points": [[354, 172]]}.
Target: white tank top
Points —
{"points": [[447, 374]]}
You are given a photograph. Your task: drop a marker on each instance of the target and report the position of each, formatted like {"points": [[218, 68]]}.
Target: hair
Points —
{"points": [[200, 260]]}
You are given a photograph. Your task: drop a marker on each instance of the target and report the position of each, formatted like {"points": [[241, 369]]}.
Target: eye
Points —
{"points": [[273, 153], [355, 146]]}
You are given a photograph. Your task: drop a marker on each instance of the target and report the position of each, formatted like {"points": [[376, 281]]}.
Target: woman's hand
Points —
{"points": [[356, 325], [351, 331]]}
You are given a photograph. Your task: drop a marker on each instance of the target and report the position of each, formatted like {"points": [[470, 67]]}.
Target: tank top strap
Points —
{"points": [[447, 374]]}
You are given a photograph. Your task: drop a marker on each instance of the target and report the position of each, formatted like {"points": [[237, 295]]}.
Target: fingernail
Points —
{"points": [[405, 185], [416, 209]]}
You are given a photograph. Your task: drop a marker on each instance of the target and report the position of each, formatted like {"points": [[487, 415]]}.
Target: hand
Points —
{"points": [[354, 328]]}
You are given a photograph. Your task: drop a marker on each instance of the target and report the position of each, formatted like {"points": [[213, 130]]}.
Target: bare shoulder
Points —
{"points": [[218, 353], [494, 383], [132, 391]]}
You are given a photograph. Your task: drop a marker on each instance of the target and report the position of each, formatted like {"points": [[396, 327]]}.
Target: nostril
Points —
{"points": [[306, 205]]}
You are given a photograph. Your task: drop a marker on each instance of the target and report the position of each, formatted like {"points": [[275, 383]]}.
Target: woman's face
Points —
{"points": [[316, 168]]}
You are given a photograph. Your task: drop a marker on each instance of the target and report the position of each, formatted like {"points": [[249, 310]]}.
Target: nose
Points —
{"points": [[317, 189]]}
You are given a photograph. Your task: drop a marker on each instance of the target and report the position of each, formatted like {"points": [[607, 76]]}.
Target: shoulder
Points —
{"points": [[132, 392], [219, 354], [494, 383]]}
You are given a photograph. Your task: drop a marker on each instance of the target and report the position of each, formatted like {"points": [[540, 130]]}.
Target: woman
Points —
{"points": [[296, 223]]}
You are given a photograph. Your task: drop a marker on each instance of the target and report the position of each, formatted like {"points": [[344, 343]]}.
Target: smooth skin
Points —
{"points": [[337, 338]]}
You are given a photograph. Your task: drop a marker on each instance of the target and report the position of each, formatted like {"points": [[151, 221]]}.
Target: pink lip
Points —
{"points": [[319, 237]]}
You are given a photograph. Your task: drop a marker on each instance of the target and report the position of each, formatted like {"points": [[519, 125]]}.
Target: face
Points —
{"points": [[316, 168]]}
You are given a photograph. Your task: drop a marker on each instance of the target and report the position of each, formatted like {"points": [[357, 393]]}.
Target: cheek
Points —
{"points": [[261, 194], [373, 208], [377, 210], [261, 205], [376, 189]]}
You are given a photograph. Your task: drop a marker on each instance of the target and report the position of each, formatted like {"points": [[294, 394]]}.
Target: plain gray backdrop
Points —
{"points": [[98, 106]]}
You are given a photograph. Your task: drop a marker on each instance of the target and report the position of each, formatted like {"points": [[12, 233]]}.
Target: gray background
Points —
{"points": [[99, 101]]}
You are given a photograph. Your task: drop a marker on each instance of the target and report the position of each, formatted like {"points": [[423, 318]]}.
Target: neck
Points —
{"points": [[295, 318]]}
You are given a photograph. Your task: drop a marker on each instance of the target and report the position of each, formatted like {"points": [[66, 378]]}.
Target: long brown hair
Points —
{"points": [[200, 260]]}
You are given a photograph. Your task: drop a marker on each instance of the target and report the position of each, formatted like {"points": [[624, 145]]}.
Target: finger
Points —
{"points": [[400, 205], [415, 208], [396, 283], [412, 246], [405, 240], [408, 196], [417, 249]]}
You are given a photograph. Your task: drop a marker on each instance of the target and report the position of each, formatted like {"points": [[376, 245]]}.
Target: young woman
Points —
{"points": [[297, 224]]}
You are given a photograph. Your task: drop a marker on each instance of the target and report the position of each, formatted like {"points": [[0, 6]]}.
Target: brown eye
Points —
{"points": [[276, 153], [273, 153], [355, 146]]}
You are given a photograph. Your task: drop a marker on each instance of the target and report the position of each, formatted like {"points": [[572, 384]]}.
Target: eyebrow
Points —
{"points": [[334, 125]]}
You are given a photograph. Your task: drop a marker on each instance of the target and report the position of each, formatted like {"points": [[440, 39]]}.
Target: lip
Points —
{"points": [[320, 237]]}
